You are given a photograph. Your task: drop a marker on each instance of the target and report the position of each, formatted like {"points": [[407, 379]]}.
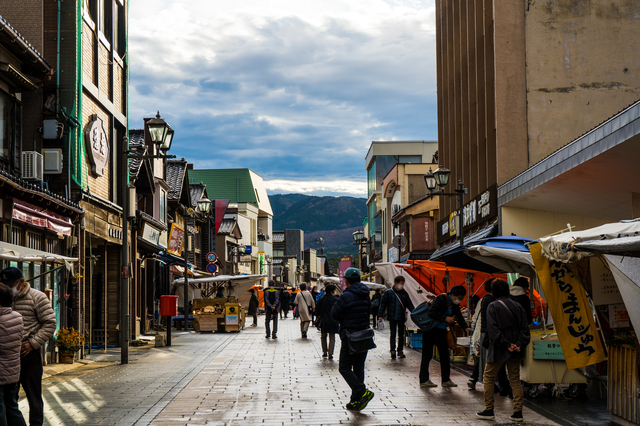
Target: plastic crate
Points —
{"points": [[416, 340]]}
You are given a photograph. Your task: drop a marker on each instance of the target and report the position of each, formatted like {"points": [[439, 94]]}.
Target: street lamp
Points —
{"points": [[158, 131], [441, 178], [358, 236], [204, 205], [360, 241]]}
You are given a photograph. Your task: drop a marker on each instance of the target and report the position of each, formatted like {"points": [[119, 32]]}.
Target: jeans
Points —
{"points": [[271, 316], [9, 412], [437, 337], [399, 326], [332, 342], [491, 371], [31, 381], [351, 367]]}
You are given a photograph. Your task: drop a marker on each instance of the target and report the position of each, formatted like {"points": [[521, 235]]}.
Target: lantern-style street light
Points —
{"points": [[440, 178], [360, 241]]}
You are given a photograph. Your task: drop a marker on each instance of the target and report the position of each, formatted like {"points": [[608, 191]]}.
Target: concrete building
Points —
{"points": [[288, 255], [518, 80], [381, 160]]}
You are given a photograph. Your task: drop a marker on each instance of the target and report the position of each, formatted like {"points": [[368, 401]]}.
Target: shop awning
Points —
{"points": [[324, 281], [37, 216], [626, 272], [233, 283], [507, 254], [439, 255], [14, 253]]}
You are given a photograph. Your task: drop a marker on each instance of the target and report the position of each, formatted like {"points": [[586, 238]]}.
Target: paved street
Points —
{"points": [[224, 379]]}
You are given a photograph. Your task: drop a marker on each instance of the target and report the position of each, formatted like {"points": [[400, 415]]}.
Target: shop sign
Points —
{"points": [[423, 236], [605, 290], [176, 239], [261, 262], [98, 145], [150, 234], [618, 316], [162, 240], [547, 350], [345, 263], [572, 315], [481, 209], [232, 315], [394, 254]]}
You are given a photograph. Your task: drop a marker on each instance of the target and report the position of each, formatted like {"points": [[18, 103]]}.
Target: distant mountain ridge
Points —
{"points": [[332, 218]]}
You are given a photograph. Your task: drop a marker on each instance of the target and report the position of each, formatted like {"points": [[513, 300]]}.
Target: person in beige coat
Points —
{"points": [[10, 341], [39, 325], [306, 305]]}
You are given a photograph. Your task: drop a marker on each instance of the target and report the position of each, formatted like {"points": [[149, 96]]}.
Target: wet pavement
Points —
{"points": [[243, 378]]}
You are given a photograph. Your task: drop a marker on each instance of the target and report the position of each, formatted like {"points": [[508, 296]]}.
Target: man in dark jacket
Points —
{"points": [[397, 301], [254, 302], [508, 334], [271, 309], [285, 300], [328, 326], [518, 292], [444, 308], [351, 311]]}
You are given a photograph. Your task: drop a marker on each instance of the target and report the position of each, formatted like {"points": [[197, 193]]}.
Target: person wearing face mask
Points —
{"points": [[328, 327], [39, 325], [446, 309], [396, 301]]}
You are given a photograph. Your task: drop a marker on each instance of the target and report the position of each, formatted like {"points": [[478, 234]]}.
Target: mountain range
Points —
{"points": [[332, 218]]}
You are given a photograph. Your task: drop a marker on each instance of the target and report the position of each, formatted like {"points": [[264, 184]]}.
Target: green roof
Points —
{"points": [[236, 185]]}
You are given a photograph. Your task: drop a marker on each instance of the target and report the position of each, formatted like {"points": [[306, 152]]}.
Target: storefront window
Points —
{"points": [[163, 206]]}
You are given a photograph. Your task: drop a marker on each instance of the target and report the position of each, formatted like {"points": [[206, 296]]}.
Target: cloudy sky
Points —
{"points": [[293, 89]]}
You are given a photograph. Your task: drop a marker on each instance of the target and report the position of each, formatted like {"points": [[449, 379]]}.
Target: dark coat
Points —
{"points": [[396, 309], [272, 300], [254, 302], [439, 307], [486, 301], [352, 309], [285, 299], [518, 294], [323, 310], [502, 330]]}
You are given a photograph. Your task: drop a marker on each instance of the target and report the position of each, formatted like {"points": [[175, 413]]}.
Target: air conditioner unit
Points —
{"points": [[32, 165], [52, 161]]}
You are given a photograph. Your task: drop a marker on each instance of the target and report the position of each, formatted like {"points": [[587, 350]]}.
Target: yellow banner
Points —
{"points": [[572, 315]]}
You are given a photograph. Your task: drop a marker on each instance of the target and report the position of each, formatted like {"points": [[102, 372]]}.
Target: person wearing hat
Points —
{"points": [[39, 325], [446, 309], [271, 309], [351, 311]]}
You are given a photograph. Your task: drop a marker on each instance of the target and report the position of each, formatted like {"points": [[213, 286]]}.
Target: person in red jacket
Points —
{"points": [[11, 329]]}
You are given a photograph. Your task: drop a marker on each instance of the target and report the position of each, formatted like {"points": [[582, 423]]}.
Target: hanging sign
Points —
{"points": [[176, 239], [98, 146], [572, 315]]}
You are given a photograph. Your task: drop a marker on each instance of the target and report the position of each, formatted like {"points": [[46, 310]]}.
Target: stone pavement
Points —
{"points": [[254, 380]]}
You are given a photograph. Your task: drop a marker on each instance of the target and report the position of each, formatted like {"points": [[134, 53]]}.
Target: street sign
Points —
{"points": [[211, 257], [212, 268]]}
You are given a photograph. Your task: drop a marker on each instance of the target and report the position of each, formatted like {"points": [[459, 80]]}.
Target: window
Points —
{"points": [[91, 9], [119, 39], [163, 206], [10, 129], [106, 19], [5, 124]]}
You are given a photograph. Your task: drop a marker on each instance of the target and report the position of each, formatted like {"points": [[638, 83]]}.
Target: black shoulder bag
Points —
{"points": [[360, 341]]}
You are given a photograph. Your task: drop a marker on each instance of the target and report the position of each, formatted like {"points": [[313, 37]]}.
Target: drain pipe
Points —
{"points": [[58, 61]]}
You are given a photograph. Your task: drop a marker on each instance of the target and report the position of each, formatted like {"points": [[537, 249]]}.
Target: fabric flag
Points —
{"points": [[572, 314]]}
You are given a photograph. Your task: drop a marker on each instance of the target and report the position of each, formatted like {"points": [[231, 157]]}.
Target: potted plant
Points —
{"points": [[69, 341]]}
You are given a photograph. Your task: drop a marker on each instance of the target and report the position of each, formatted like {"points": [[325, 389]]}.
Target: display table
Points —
{"points": [[221, 315]]}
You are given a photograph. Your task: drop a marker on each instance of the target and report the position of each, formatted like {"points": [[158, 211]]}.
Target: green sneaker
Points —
{"points": [[352, 406], [366, 397]]}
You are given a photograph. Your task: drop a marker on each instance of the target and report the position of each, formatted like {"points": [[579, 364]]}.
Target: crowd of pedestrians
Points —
{"points": [[499, 328]]}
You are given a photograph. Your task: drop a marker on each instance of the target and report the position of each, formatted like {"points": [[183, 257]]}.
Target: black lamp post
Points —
{"points": [[441, 178], [360, 241], [158, 131]]}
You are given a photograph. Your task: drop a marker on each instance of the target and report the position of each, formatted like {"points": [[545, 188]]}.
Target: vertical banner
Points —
{"points": [[572, 315], [345, 263], [262, 265]]}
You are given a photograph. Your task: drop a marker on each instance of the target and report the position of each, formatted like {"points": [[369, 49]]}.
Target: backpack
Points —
{"points": [[420, 316]]}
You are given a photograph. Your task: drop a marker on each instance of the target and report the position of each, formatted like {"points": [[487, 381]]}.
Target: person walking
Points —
{"points": [[285, 301], [254, 302], [305, 304], [444, 308], [479, 332], [39, 325], [397, 300], [375, 307], [314, 294], [518, 292], [10, 341], [508, 334], [351, 311], [328, 327], [271, 309]]}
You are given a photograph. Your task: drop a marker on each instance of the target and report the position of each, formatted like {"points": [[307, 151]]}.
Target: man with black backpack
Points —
{"points": [[508, 334], [397, 301]]}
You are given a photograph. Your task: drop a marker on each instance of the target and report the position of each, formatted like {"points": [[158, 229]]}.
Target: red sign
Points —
{"points": [[345, 263], [176, 239], [423, 235]]}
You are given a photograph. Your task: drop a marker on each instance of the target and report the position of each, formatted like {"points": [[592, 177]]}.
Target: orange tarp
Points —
{"points": [[438, 278]]}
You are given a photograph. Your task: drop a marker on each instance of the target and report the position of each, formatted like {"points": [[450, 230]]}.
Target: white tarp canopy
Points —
{"points": [[324, 281], [626, 272], [16, 253], [234, 283], [562, 247], [504, 259], [417, 293]]}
